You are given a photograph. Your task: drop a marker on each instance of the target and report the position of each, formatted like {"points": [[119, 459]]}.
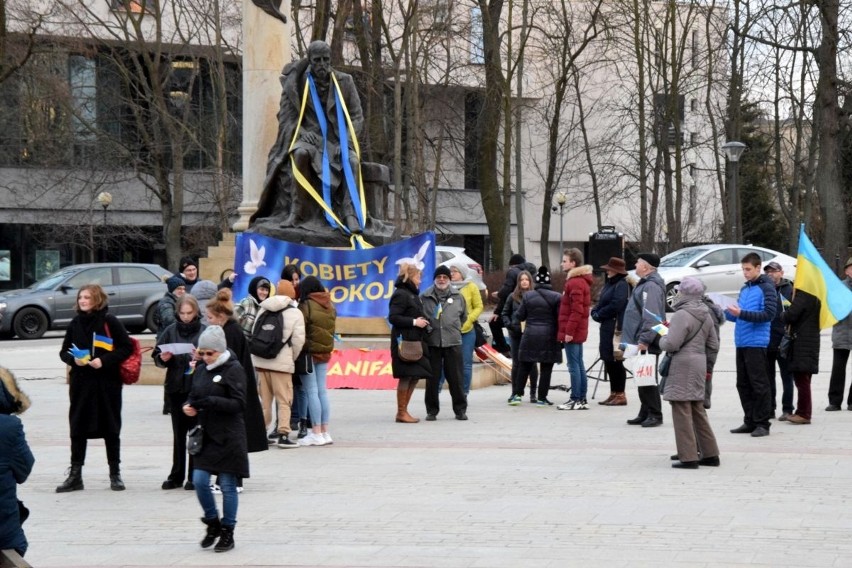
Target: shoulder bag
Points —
{"points": [[195, 440], [131, 367], [410, 351]]}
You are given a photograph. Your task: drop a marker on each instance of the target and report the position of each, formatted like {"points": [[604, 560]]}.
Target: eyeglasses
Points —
{"points": [[206, 353]]}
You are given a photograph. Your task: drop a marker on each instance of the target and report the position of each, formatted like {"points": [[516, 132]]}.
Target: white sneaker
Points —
{"points": [[215, 489], [327, 437], [312, 440], [570, 405]]}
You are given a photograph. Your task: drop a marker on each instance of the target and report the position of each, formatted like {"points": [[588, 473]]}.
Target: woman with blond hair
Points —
{"points": [[408, 322], [94, 347]]}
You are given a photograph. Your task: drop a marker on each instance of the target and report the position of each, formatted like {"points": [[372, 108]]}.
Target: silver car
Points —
{"points": [[446, 255], [134, 291], [718, 266]]}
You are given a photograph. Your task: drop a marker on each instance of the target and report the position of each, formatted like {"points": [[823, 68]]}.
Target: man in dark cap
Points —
{"points": [[517, 263], [189, 272], [446, 311], [784, 295], [645, 309]]}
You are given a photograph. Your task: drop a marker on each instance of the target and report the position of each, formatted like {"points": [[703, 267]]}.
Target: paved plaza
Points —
{"points": [[513, 486]]}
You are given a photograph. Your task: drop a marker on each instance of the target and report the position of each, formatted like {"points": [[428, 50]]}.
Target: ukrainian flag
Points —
{"points": [[815, 277], [101, 341]]}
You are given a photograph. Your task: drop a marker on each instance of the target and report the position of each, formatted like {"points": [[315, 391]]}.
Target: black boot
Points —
{"points": [[303, 429], [226, 541], [74, 481], [115, 482], [214, 529]]}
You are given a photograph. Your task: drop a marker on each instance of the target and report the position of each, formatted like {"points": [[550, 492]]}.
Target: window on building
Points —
{"points": [[694, 49], [477, 45], [472, 109], [693, 139], [83, 88]]}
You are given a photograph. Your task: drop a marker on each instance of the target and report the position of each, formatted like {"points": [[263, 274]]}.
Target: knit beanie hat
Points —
{"points": [[516, 259], [542, 276], [175, 282], [691, 287], [286, 288], [442, 271], [187, 261], [213, 338], [650, 258]]}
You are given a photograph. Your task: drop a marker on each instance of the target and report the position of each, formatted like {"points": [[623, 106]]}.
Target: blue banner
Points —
{"points": [[360, 281]]}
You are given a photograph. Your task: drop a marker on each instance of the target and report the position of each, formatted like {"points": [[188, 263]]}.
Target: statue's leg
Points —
{"points": [[303, 208]]}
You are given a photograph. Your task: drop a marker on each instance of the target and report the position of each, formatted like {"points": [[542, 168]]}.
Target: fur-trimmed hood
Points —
{"points": [[580, 271], [12, 399]]}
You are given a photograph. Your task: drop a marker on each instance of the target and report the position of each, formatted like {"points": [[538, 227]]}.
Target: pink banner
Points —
{"points": [[361, 369]]}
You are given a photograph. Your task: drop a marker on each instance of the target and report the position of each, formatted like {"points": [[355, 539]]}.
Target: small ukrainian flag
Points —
{"points": [[101, 341]]}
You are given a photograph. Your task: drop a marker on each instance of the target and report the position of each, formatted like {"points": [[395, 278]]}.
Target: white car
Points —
{"points": [[446, 255], [718, 266]]}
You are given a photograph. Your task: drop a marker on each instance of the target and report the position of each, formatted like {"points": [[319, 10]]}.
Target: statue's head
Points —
{"points": [[319, 56]]}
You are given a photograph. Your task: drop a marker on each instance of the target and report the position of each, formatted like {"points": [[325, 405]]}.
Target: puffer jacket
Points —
{"points": [[692, 331], [540, 310], [320, 321], [783, 295], [16, 463], [803, 317], [294, 335], [510, 281], [177, 377], [841, 333], [446, 315], [219, 395], [509, 309], [649, 297], [574, 308], [758, 304], [470, 292], [166, 312]]}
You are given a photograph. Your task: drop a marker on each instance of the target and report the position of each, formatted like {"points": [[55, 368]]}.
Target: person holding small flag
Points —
{"points": [[94, 347]]}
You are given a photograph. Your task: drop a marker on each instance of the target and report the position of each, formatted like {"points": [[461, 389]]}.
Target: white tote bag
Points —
{"points": [[644, 370]]}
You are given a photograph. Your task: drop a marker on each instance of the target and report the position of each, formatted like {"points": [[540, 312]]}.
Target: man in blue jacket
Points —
{"points": [[753, 315]]}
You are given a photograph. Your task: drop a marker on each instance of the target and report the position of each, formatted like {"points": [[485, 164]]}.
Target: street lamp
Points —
{"points": [[561, 199], [105, 199], [733, 151]]}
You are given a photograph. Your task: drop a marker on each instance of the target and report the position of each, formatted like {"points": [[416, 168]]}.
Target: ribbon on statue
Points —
{"points": [[355, 189]]}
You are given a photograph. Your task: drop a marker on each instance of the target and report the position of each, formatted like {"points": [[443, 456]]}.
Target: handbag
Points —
{"points": [[665, 365], [195, 440], [785, 349], [131, 367], [481, 339], [410, 351]]}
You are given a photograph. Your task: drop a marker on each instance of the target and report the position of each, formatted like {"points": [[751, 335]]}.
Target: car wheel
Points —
{"points": [[671, 295], [149, 318], [30, 323]]}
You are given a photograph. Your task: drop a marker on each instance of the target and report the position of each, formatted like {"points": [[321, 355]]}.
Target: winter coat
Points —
{"points": [[293, 339], [718, 315], [758, 303], [540, 310], [246, 310], [219, 395], [508, 315], [166, 312], [692, 330], [203, 291], [95, 394], [446, 314], [576, 301], [471, 295], [16, 463], [841, 334], [783, 292], [609, 312], [510, 282], [255, 426], [406, 306], [648, 297], [320, 322], [803, 318], [177, 378]]}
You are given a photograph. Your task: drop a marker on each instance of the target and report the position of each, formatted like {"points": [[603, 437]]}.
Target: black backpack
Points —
{"points": [[267, 338]]}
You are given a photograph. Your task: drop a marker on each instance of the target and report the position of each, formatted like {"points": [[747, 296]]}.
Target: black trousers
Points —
{"points": [[652, 406], [79, 445], [837, 384], [498, 339], [450, 360], [753, 386], [181, 424], [526, 369], [617, 375]]}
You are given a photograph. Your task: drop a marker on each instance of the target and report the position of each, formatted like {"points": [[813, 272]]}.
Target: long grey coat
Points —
{"points": [[841, 334], [692, 320]]}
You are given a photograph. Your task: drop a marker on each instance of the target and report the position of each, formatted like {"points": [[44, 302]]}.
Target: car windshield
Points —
{"points": [[50, 282], [682, 257]]}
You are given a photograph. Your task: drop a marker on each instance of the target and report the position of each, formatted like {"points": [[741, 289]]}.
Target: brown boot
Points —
{"points": [[606, 401], [403, 394], [618, 399], [412, 386]]}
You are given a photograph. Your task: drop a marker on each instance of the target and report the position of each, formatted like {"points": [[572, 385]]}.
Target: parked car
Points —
{"points": [[133, 290], [446, 255], [718, 266]]}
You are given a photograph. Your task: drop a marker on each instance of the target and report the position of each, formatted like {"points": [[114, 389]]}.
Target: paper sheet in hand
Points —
{"points": [[631, 351], [722, 300], [177, 348]]}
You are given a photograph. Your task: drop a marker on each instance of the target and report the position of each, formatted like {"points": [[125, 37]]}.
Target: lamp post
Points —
{"points": [[105, 199], [733, 151], [561, 199]]}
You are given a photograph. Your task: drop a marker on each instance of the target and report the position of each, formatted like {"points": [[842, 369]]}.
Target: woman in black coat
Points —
{"points": [[513, 303], [408, 322], [803, 318], [94, 383], [218, 401], [179, 372], [609, 312], [540, 310]]}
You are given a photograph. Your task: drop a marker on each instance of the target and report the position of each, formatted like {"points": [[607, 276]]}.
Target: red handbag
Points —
{"points": [[132, 366]]}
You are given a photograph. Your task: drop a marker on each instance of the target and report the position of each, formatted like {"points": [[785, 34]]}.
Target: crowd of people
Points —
{"points": [[229, 393]]}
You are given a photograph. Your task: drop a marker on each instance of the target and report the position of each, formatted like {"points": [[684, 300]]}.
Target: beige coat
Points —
{"points": [[294, 332]]}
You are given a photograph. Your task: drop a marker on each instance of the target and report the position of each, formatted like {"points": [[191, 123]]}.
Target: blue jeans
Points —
{"points": [[577, 369], [230, 497], [315, 387], [300, 401]]}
